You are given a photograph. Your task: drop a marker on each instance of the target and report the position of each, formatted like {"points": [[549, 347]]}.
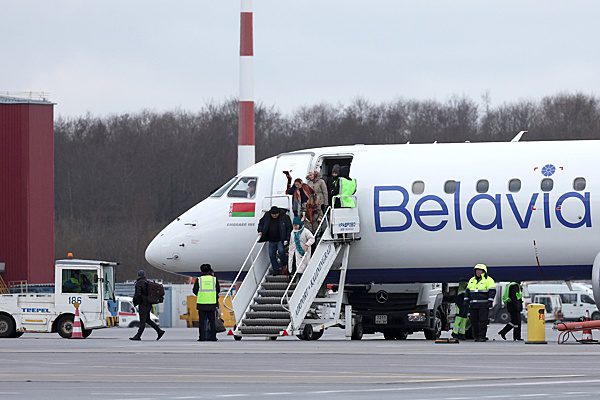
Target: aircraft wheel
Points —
{"points": [[357, 332], [389, 335], [401, 335]]}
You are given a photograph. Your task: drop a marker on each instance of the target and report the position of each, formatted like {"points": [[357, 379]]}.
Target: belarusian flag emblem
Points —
{"points": [[242, 210]]}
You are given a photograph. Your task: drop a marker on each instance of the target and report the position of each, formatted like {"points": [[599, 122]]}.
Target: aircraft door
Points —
{"points": [[297, 164]]}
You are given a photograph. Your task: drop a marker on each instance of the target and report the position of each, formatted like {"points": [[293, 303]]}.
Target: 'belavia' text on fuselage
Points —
{"points": [[391, 200]]}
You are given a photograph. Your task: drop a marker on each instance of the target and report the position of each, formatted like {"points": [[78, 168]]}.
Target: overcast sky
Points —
{"points": [[114, 56]]}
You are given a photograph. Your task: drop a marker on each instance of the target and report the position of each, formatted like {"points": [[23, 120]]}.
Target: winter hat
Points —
{"points": [[274, 210], [298, 221], [205, 268], [335, 169], [141, 273]]}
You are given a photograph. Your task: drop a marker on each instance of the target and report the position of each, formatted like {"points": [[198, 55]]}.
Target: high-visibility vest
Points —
{"points": [[347, 190], [207, 290], [482, 291], [505, 295]]}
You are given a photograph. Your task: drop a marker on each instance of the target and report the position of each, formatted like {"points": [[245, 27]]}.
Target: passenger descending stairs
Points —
{"points": [[271, 306]]}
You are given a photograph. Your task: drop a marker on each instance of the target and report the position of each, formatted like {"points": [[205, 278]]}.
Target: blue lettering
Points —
{"points": [[497, 222], [523, 222], [547, 210], [587, 216], [457, 207], [423, 213], [400, 208]]}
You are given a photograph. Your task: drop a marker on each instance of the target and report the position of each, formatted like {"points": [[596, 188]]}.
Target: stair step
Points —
{"points": [[261, 330], [268, 314], [268, 307], [265, 322], [277, 286], [267, 300], [274, 293], [278, 278]]}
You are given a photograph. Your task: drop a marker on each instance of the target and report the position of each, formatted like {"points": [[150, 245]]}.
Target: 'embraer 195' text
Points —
{"points": [[434, 206]]}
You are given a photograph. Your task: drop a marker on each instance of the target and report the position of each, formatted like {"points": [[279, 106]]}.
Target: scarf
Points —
{"points": [[297, 241]]}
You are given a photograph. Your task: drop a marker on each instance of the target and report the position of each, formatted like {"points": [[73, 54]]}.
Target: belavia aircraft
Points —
{"points": [[428, 212]]}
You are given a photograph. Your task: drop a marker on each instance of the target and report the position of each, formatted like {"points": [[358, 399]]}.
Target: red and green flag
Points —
{"points": [[242, 210]]}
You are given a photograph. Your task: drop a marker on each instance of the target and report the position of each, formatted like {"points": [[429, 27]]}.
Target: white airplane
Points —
{"points": [[428, 212]]}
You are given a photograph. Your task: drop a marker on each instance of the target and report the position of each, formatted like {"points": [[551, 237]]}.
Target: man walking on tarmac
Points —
{"points": [[479, 296], [140, 298], [207, 290], [513, 298]]}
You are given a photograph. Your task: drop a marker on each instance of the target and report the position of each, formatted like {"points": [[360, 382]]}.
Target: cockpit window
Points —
{"points": [[245, 188], [219, 192]]}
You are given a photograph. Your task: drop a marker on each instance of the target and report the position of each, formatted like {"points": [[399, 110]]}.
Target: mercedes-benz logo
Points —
{"points": [[382, 296]]}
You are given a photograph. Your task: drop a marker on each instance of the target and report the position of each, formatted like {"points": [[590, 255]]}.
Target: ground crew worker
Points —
{"points": [[513, 298], [479, 296], [140, 299], [347, 189], [462, 310], [207, 290]]}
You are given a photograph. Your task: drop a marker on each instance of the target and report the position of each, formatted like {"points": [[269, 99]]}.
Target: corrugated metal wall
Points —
{"points": [[27, 192]]}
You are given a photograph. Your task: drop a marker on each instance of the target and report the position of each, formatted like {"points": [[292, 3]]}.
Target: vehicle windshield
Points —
{"points": [[219, 192], [109, 283]]}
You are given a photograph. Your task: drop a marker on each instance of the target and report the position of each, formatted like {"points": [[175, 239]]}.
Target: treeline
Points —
{"points": [[122, 178]]}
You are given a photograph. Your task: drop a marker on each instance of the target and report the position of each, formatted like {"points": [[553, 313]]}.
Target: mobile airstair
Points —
{"points": [[272, 306]]}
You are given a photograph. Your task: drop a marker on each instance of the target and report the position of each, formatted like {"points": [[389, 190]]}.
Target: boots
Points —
{"points": [[517, 334], [505, 330]]}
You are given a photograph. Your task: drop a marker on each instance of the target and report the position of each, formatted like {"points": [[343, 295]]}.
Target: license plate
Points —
{"points": [[381, 319]]}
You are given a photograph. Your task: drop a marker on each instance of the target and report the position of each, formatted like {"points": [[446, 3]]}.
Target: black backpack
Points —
{"points": [[156, 293]]}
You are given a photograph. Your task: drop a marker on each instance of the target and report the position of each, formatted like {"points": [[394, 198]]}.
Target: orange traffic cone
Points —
{"points": [[77, 334], [587, 336]]}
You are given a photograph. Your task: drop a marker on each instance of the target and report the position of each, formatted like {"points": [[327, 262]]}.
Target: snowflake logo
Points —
{"points": [[548, 170]]}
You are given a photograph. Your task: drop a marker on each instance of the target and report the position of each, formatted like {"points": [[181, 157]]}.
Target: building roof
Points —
{"points": [[33, 99]]}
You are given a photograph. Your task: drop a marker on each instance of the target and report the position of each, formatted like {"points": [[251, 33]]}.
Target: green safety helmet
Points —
{"points": [[482, 267]]}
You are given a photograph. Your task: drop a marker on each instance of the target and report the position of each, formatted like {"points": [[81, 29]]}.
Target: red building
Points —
{"points": [[27, 189]]}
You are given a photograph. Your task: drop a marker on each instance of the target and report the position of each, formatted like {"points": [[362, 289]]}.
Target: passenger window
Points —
{"points": [[219, 192], [579, 184], [567, 298], [127, 307], [418, 187], [547, 184], [483, 185], [587, 299], [514, 185], [79, 281], [450, 187], [244, 188]]}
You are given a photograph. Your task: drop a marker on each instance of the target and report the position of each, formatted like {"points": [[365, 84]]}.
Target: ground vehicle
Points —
{"points": [[552, 305], [128, 314], [397, 310], [577, 301], [90, 283]]}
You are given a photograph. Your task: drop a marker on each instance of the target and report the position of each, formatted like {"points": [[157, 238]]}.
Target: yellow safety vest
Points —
{"points": [[207, 290], [347, 190], [482, 291]]}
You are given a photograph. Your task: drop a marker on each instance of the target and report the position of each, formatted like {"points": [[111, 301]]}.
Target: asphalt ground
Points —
{"points": [[109, 366]]}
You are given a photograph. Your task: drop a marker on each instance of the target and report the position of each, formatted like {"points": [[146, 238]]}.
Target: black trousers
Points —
{"points": [[145, 319], [480, 317], [207, 317], [515, 321]]}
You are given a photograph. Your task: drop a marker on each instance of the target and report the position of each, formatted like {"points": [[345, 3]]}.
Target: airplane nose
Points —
{"points": [[155, 253]]}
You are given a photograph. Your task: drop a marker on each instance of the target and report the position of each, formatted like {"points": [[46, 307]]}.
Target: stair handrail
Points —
{"points": [[285, 295], [228, 294]]}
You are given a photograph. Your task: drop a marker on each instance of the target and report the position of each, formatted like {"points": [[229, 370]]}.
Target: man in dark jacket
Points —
{"points": [[513, 298], [207, 288], [140, 298], [333, 183], [275, 227]]}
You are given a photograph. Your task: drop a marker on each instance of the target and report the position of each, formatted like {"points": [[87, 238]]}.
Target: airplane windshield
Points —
{"points": [[219, 192]]}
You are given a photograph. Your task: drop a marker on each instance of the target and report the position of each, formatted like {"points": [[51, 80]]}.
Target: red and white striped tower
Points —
{"points": [[246, 111]]}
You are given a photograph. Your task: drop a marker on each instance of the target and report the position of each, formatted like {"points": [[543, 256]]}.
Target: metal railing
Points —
{"points": [[285, 296], [248, 257]]}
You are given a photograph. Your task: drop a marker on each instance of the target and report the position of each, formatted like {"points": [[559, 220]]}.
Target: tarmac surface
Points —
{"points": [[109, 366]]}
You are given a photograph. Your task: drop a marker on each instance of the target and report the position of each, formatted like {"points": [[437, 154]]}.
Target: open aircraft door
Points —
{"points": [[298, 165]]}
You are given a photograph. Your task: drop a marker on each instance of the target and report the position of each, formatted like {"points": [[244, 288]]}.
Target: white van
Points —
{"points": [[128, 315], [576, 303]]}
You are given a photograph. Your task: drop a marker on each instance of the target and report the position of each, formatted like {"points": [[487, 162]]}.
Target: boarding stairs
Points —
{"points": [[270, 306]]}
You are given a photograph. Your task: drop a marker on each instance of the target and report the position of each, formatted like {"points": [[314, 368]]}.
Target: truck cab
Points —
{"points": [[128, 314], [89, 283]]}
